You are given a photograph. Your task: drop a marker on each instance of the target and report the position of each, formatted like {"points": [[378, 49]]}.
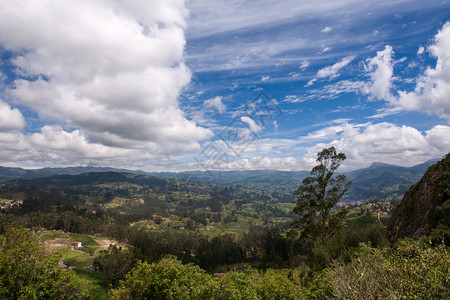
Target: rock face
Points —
{"points": [[425, 206]]}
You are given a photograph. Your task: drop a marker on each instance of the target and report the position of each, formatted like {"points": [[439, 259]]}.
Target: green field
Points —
{"points": [[80, 259]]}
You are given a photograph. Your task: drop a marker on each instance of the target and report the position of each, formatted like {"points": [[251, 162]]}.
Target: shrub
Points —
{"points": [[26, 272], [409, 270]]}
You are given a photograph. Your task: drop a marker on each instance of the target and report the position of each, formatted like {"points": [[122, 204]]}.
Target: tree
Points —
{"points": [[114, 264], [167, 279], [319, 192], [26, 272]]}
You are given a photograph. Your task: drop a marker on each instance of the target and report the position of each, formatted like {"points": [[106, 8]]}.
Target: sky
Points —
{"points": [[174, 85]]}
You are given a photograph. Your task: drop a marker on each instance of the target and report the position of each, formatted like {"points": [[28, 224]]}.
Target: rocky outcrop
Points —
{"points": [[425, 205]]}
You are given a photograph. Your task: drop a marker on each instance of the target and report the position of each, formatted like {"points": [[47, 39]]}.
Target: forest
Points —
{"points": [[149, 237]]}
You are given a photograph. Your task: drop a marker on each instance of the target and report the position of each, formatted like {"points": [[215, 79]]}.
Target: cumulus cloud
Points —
{"points": [[332, 71], [385, 142], [215, 102], [362, 143], [326, 29], [111, 69], [11, 119], [54, 145], [432, 91], [380, 69]]}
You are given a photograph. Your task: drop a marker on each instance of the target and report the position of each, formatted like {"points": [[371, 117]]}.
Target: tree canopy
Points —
{"points": [[26, 272]]}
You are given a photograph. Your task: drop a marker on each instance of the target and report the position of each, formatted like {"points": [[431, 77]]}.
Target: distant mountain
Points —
{"points": [[271, 180], [69, 180], [7, 173], [383, 181], [379, 181]]}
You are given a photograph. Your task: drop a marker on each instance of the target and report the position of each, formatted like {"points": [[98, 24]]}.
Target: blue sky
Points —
{"points": [[231, 85]]}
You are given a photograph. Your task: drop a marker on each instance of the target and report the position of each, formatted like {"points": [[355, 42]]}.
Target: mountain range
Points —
{"points": [[379, 181]]}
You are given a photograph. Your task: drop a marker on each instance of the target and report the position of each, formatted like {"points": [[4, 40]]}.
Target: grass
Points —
{"points": [[50, 235], [81, 259], [93, 282], [86, 240], [116, 202], [363, 220]]}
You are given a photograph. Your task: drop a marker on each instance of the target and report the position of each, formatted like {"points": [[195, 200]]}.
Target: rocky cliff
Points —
{"points": [[425, 207]]}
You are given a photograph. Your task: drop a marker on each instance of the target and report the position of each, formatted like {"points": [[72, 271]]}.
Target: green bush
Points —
{"points": [[167, 279], [170, 279], [410, 270], [26, 272]]}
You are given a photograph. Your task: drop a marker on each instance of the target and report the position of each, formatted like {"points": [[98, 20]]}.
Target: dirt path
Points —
{"points": [[58, 243], [379, 219], [104, 243]]}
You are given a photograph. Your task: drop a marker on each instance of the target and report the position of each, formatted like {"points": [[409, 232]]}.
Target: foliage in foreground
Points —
{"points": [[408, 270], [26, 272], [170, 279]]}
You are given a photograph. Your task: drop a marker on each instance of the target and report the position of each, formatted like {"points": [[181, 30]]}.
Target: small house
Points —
{"points": [[76, 246]]}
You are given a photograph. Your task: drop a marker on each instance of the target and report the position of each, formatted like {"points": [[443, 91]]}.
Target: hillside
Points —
{"points": [[8, 172], [425, 207]]}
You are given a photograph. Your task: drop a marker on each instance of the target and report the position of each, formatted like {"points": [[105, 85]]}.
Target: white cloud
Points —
{"points": [[55, 146], [326, 29], [215, 102], [432, 91], [433, 88], [293, 99], [380, 69], [13, 143], [265, 78], [11, 119], [113, 70], [421, 50], [334, 90], [383, 142], [439, 138], [68, 147], [311, 82], [253, 126], [304, 65], [264, 163], [363, 144], [332, 71]]}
